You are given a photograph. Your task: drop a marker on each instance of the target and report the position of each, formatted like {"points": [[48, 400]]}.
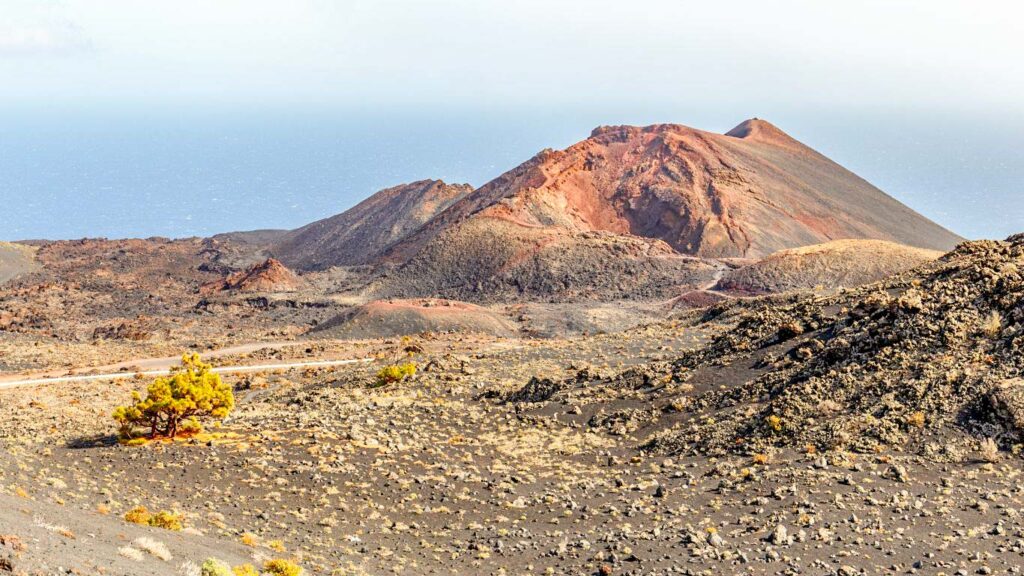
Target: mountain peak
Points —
{"points": [[757, 130]]}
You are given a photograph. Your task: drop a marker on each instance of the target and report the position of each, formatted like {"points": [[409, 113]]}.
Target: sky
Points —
{"points": [[111, 108]]}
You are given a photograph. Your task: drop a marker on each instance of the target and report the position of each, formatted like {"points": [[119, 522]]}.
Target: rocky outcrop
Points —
{"points": [[928, 361], [267, 276]]}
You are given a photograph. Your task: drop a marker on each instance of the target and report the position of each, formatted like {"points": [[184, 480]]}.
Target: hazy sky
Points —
{"points": [[923, 98], [934, 53]]}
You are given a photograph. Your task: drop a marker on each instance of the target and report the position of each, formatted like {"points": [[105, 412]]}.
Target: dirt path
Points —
{"points": [[162, 366], [720, 270], [164, 372]]}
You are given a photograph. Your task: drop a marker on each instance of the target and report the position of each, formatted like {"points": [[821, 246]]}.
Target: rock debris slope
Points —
{"points": [[930, 361]]}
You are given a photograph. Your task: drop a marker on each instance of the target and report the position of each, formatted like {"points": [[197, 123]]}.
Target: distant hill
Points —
{"points": [[387, 318], [840, 263], [15, 260], [360, 234]]}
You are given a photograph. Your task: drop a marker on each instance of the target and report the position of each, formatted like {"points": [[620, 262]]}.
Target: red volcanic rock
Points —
{"points": [[267, 276], [747, 193]]}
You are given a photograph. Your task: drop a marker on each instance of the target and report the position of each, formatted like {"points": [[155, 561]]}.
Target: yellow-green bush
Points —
{"points": [[282, 567], [245, 570], [138, 515], [163, 519], [395, 373], [167, 521], [174, 403], [214, 567]]}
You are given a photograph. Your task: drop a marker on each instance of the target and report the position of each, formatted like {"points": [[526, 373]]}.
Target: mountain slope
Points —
{"points": [[359, 234], [15, 260], [648, 194], [927, 361], [750, 192]]}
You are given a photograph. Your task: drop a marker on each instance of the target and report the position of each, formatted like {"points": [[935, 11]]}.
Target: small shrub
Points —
{"points": [[245, 570], [989, 450], [992, 325], [167, 521], [138, 515], [214, 567], [276, 545], [774, 423], [282, 567], [153, 547], [916, 420], [394, 373], [164, 519], [131, 553]]}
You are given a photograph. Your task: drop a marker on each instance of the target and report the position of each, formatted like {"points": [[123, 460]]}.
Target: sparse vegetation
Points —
{"points": [[167, 521], [394, 373], [173, 404], [988, 450], [138, 515], [153, 547], [992, 325], [163, 519], [282, 567], [916, 419], [214, 567]]}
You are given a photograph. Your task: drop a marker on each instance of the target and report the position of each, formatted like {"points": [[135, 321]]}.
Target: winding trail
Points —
{"points": [[162, 367], [709, 287]]}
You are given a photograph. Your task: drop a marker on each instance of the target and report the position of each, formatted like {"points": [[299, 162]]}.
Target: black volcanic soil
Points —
{"points": [[439, 475], [494, 262], [390, 318]]}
